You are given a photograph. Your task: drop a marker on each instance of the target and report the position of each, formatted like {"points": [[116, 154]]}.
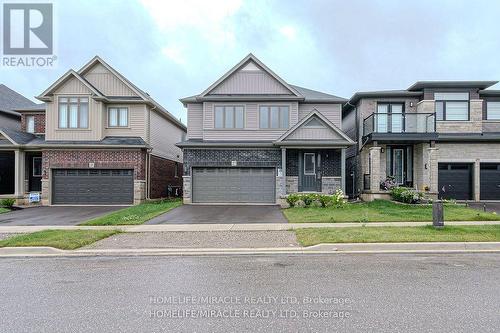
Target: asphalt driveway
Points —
{"points": [[53, 215], [214, 214], [490, 206]]}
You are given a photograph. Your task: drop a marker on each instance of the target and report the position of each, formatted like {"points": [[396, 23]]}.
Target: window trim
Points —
{"points": [[269, 106], [452, 100], [33, 166], [234, 106], [314, 164], [27, 124], [118, 116], [68, 103]]}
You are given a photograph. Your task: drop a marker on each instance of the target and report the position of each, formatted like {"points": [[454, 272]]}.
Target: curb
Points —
{"points": [[345, 248]]}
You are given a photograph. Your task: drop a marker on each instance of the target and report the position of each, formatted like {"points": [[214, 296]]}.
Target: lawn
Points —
{"points": [[480, 233], [135, 214], [61, 239], [4, 210], [384, 211]]}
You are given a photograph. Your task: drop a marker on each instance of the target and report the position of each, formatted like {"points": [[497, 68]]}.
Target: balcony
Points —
{"points": [[403, 126]]}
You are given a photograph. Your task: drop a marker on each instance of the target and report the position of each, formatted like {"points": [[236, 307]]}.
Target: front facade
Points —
{"points": [[253, 138], [439, 137], [96, 140]]}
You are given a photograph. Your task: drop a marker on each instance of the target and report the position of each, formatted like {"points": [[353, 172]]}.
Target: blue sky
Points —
{"points": [[173, 49]]}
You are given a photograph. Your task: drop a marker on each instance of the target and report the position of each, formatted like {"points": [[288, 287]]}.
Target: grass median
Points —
{"points": [[384, 211], [480, 233], [136, 214], [61, 239]]}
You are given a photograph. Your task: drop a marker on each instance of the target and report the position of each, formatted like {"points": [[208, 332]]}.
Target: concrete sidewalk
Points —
{"points": [[424, 248], [231, 227]]}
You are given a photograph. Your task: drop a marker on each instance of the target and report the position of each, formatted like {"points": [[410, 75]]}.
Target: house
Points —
{"points": [[98, 140], [441, 137], [253, 138]]}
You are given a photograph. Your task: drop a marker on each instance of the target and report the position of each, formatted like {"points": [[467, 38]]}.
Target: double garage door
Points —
{"points": [[456, 181], [234, 185], [92, 187]]}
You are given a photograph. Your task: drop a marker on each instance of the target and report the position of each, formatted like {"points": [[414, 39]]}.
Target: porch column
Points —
{"points": [[477, 180], [342, 170], [433, 169], [375, 168], [19, 158], [283, 171]]}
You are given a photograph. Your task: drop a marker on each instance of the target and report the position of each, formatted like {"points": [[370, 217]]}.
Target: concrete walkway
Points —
{"points": [[231, 227]]}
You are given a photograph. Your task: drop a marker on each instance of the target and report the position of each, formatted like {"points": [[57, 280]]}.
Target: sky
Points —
{"points": [[173, 49]]}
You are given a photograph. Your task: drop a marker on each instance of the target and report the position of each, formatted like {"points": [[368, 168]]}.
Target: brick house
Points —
{"points": [[97, 139]]}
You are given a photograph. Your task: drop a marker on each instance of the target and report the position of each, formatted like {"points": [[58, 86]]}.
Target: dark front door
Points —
{"points": [[455, 181], [310, 172], [7, 166], [35, 173], [399, 162], [490, 181]]}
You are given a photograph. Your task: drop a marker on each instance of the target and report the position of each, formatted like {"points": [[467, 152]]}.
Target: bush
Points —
{"points": [[406, 195], [300, 203], [316, 203], [7, 203], [388, 184], [317, 200]]}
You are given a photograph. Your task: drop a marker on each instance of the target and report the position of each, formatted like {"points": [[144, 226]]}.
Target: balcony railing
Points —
{"points": [[399, 123]]}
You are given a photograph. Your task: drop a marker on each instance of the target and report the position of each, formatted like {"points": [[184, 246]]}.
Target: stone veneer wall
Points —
{"points": [[331, 184]]}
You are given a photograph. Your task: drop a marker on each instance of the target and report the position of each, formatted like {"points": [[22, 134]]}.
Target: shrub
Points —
{"points": [[317, 200], [8, 203], [316, 203], [300, 203], [406, 195], [292, 199], [388, 184]]}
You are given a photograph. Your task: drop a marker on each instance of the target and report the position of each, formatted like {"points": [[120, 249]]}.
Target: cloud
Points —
{"points": [[288, 31]]}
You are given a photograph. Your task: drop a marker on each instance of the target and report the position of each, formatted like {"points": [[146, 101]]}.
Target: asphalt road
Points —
{"points": [[358, 293]]}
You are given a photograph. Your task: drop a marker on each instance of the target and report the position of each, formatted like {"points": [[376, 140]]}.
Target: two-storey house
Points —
{"points": [[441, 137], [254, 138], [97, 140]]}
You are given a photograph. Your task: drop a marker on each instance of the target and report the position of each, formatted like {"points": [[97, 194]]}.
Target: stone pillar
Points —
{"points": [[342, 170], [186, 190], [375, 168], [19, 166], [477, 180], [283, 168], [432, 169]]}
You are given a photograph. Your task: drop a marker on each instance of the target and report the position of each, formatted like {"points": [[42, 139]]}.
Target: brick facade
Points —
{"points": [[163, 174], [39, 121]]}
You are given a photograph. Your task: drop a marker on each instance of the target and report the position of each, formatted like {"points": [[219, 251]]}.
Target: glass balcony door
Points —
{"points": [[390, 118]]}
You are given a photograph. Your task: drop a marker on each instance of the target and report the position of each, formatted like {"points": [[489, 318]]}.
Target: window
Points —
{"points": [[452, 106], [176, 170], [30, 124], [37, 167], [274, 116], [389, 118], [492, 110], [229, 116], [117, 117], [73, 112], [309, 164]]}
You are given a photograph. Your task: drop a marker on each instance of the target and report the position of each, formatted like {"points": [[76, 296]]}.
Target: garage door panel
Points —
{"points": [[490, 181], [233, 185], [455, 181], [91, 186]]}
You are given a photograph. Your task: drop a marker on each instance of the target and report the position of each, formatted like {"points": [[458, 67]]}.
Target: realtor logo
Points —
{"points": [[27, 28]]}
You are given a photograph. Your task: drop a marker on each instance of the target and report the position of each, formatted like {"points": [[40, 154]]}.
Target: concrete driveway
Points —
{"points": [[53, 215], [214, 214]]}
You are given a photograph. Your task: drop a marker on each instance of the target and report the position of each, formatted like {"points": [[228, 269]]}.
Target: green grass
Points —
{"points": [[480, 233], [4, 210], [136, 214], [385, 211], [61, 239]]}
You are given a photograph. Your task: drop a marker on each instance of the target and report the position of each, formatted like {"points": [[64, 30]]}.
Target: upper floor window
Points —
{"points": [[274, 116], [117, 117], [229, 116], [73, 112], [452, 106], [492, 110], [30, 124]]}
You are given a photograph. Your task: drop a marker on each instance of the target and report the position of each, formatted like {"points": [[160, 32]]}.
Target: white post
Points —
{"points": [[283, 171], [18, 173], [342, 158]]}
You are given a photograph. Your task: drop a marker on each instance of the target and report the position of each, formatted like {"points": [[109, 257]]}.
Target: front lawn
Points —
{"points": [[136, 214], [479, 233], [4, 210], [384, 211], [61, 239]]}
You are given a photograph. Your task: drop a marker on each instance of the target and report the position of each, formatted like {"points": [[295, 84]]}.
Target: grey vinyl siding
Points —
{"points": [[332, 112], [164, 136], [250, 82], [9, 121], [195, 121], [304, 133]]}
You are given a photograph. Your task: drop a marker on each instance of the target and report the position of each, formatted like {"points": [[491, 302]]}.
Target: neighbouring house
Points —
{"points": [[440, 137], [97, 140], [254, 138]]}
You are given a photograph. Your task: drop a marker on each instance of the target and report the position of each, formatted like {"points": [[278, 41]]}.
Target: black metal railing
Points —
{"points": [[399, 123]]}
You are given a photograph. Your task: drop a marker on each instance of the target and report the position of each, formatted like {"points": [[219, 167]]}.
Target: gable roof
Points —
{"points": [[11, 100], [249, 58], [315, 113], [17, 137], [313, 96], [44, 96]]}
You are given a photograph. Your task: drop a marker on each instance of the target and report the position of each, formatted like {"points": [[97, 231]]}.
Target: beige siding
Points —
{"points": [[250, 82], [73, 86], [332, 112], [164, 136], [304, 133], [107, 83], [136, 121], [195, 121]]}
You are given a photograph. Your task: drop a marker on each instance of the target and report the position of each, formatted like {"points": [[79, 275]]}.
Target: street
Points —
{"points": [[306, 293]]}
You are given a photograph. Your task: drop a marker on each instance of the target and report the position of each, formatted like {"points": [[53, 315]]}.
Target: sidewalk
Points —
{"points": [[231, 227]]}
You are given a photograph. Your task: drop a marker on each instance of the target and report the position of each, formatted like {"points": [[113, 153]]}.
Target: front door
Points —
{"points": [[310, 172], [35, 174], [398, 165]]}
